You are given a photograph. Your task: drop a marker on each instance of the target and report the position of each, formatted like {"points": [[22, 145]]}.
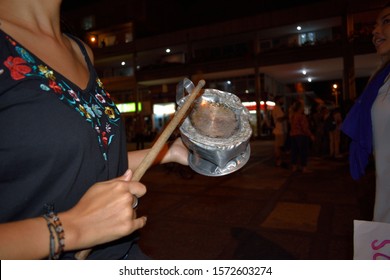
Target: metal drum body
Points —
{"points": [[216, 131]]}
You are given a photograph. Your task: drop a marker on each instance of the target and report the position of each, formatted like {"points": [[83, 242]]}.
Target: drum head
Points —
{"points": [[217, 133], [215, 120]]}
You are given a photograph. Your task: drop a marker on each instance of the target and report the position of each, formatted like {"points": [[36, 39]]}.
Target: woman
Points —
{"points": [[300, 137], [368, 121], [65, 174], [280, 129]]}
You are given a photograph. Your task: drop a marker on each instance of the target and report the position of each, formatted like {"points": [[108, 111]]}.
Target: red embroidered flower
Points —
{"points": [[104, 138], [53, 85], [17, 67]]}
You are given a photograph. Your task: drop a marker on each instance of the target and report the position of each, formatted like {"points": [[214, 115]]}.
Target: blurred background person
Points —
{"points": [[335, 133], [317, 121], [279, 118], [300, 137]]}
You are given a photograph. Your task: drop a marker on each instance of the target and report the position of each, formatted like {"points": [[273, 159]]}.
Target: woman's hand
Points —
{"points": [[177, 152], [103, 214]]}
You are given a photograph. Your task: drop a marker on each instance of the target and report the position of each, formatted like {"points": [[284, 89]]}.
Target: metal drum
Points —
{"points": [[216, 131]]}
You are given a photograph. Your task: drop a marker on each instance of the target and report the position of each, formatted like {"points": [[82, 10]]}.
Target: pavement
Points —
{"points": [[259, 212]]}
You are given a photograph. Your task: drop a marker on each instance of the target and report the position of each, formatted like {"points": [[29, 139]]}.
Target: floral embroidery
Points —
{"points": [[24, 54], [95, 106], [17, 66], [54, 86], [46, 72], [97, 111], [104, 138], [99, 82], [44, 87], [84, 112], [74, 95], [100, 98], [109, 112]]}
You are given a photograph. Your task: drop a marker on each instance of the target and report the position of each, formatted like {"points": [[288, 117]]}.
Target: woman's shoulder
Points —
{"points": [[13, 63], [82, 45]]}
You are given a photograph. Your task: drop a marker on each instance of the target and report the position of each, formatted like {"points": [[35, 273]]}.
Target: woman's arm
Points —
{"points": [[175, 152], [28, 239], [103, 214]]}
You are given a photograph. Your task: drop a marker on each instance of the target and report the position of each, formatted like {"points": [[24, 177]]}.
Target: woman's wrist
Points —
{"points": [[71, 231], [56, 235]]}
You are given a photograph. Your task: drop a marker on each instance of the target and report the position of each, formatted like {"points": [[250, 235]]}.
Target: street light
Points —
{"points": [[336, 93]]}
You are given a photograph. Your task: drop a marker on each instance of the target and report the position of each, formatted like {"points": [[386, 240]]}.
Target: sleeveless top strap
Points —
{"points": [[82, 48]]}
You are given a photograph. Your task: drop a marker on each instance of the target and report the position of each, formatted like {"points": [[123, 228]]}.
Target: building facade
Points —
{"points": [[252, 56]]}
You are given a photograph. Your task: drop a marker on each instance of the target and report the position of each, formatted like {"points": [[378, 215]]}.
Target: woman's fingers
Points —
{"points": [[107, 211]]}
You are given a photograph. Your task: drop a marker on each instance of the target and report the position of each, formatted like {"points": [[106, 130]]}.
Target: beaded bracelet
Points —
{"points": [[56, 230]]}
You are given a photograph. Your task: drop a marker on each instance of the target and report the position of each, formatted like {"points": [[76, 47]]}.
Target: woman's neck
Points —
{"points": [[41, 16]]}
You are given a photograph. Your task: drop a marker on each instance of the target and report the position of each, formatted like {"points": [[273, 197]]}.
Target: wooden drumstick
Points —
{"points": [[157, 147], [170, 128]]}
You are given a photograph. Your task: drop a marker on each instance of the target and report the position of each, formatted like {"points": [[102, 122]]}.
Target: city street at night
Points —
{"points": [[258, 212]]}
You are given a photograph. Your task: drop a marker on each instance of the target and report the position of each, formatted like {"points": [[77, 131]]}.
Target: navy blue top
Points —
{"points": [[56, 139]]}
